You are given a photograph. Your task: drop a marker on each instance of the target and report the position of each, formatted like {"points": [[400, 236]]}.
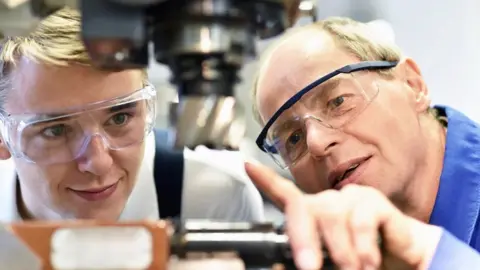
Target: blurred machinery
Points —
{"points": [[155, 245], [204, 43]]}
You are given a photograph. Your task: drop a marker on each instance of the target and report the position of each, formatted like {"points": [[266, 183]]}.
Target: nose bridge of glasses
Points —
{"points": [[315, 119], [315, 130], [318, 135], [93, 141], [91, 131]]}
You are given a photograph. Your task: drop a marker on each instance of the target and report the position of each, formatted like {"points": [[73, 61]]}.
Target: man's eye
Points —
{"points": [[55, 131], [336, 102], [119, 119], [294, 138]]}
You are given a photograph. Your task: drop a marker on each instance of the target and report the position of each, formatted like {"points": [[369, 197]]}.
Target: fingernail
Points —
{"points": [[307, 260]]}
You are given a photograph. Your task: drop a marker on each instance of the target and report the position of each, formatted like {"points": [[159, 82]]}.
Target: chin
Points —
{"points": [[100, 214], [99, 217]]}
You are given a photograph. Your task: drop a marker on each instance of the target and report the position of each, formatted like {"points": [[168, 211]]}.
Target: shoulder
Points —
{"points": [[226, 167], [225, 164], [8, 207], [215, 182]]}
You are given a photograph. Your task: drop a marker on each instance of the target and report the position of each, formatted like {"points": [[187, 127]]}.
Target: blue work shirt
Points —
{"points": [[457, 206]]}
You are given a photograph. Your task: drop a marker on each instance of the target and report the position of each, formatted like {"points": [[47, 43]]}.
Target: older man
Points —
{"points": [[349, 115], [77, 142]]}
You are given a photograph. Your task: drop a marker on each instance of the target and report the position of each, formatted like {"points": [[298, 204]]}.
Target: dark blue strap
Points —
{"points": [[168, 174]]}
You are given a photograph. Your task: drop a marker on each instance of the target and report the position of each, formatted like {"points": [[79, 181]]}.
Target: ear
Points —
{"points": [[4, 152], [414, 79]]}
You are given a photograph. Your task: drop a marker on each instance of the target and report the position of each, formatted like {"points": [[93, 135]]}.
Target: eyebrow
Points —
{"points": [[329, 84], [58, 116], [326, 86], [123, 107], [286, 125], [45, 119], [321, 90]]}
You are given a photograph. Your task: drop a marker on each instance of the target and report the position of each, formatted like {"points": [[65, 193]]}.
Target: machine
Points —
{"points": [[203, 42], [147, 245]]}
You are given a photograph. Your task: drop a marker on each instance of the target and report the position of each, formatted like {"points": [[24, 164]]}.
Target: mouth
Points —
{"points": [[96, 194], [348, 173]]}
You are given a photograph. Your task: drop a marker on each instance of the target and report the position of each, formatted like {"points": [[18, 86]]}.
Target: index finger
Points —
{"points": [[277, 188]]}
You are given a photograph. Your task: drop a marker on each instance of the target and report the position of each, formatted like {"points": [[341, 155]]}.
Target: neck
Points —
{"points": [[422, 191]]}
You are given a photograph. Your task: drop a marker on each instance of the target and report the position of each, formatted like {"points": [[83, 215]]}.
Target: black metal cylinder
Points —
{"points": [[257, 245]]}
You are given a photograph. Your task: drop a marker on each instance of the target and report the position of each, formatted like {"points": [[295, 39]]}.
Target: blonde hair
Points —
{"points": [[358, 39], [55, 41]]}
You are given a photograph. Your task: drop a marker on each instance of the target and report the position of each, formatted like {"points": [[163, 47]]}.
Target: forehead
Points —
{"points": [[37, 87], [293, 64]]}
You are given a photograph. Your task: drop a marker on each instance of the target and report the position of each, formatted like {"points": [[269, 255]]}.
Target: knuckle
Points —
{"points": [[348, 189], [363, 216], [319, 199], [328, 193], [332, 217], [342, 258], [362, 191], [328, 203], [361, 223], [368, 257], [327, 196], [367, 250]]}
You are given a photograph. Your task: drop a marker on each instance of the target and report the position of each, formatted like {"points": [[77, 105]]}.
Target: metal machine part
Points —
{"points": [[257, 245], [219, 122], [151, 245], [204, 42]]}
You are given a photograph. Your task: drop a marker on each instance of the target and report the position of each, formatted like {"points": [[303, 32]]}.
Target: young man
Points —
{"points": [[78, 143], [350, 117]]}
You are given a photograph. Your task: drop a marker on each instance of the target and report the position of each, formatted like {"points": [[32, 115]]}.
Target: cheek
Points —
{"points": [[307, 176], [129, 160], [44, 181], [389, 124]]}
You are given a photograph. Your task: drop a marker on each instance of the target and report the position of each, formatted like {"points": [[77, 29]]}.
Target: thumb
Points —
{"points": [[409, 242]]}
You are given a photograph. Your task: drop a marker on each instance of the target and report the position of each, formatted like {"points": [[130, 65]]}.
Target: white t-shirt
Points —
{"points": [[215, 187]]}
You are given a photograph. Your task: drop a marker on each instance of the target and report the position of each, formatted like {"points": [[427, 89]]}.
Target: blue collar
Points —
{"points": [[458, 199]]}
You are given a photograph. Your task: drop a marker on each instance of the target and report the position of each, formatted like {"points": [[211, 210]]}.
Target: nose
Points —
{"points": [[96, 158], [321, 140]]}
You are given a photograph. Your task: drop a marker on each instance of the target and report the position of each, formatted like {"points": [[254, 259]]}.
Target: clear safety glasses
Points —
{"points": [[333, 101], [58, 138]]}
